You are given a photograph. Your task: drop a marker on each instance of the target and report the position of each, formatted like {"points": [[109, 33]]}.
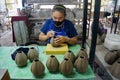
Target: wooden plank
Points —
{"points": [[4, 75]]}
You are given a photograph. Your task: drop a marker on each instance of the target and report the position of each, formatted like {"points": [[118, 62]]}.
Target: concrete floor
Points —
{"points": [[6, 38]]}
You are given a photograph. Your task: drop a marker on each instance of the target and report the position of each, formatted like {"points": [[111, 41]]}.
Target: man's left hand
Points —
{"points": [[60, 39]]}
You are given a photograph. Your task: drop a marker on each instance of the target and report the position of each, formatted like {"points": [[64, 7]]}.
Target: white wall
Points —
{"points": [[2, 5]]}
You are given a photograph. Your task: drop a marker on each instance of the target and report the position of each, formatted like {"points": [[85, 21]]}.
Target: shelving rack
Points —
{"points": [[78, 3]]}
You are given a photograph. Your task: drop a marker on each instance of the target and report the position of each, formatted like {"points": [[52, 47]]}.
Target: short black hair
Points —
{"points": [[60, 8]]}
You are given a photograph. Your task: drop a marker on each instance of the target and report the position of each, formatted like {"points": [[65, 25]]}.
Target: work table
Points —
{"points": [[16, 72]]}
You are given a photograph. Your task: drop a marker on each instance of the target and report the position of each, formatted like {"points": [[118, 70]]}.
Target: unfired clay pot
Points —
{"points": [[21, 59], [118, 53], [111, 57], [52, 42], [115, 69], [82, 52], [66, 66], [32, 54], [81, 64], [52, 64], [70, 55], [37, 68], [103, 36]]}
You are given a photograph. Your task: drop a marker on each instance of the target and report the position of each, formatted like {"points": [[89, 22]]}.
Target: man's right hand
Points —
{"points": [[50, 33]]}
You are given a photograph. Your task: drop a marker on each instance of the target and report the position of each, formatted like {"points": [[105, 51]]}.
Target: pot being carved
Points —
{"points": [[53, 43], [52, 64], [81, 64], [66, 66], [82, 52], [37, 68], [111, 57], [32, 54], [115, 68], [21, 59], [70, 55]]}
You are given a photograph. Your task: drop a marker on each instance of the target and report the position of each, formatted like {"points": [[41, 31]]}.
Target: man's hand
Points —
{"points": [[60, 39], [50, 34]]}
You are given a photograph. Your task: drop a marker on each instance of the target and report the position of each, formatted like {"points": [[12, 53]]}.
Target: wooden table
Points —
{"points": [[16, 72]]}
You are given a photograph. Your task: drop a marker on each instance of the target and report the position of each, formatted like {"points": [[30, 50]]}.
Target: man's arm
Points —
{"points": [[44, 37], [63, 39], [72, 40]]}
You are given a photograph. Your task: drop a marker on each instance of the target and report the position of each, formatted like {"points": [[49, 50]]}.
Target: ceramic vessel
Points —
{"points": [[52, 64], [66, 66], [70, 55], [115, 69], [118, 53], [21, 59], [37, 68], [81, 64], [103, 36], [111, 57], [32, 54], [52, 42], [82, 52]]}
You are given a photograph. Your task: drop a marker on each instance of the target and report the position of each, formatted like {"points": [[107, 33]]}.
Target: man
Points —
{"points": [[60, 27]]}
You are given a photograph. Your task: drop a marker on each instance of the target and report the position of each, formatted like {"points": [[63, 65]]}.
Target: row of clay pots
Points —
{"points": [[69, 61], [66, 66], [21, 58], [113, 59], [80, 62]]}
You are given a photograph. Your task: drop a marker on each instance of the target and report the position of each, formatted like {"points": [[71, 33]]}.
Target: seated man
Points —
{"points": [[60, 27]]}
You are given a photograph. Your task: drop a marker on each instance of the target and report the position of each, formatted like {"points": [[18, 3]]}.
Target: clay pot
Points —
{"points": [[32, 54], [70, 55], [82, 52], [66, 66], [103, 36], [52, 42], [52, 64], [37, 68], [81, 64], [111, 57], [21, 59], [115, 69], [118, 53]]}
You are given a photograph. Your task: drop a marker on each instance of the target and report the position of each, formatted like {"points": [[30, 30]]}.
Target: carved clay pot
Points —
{"points": [[111, 57], [103, 36], [32, 54], [81, 64], [52, 42], [66, 66], [37, 68], [82, 52], [21, 59], [70, 55], [52, 64], [115, 69], [118, 53]]}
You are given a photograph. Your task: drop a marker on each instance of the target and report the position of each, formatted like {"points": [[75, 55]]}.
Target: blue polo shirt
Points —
{"points": [[68, 28]]}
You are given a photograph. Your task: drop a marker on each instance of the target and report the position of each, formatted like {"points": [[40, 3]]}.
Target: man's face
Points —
{"points": [[58, 16]]}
